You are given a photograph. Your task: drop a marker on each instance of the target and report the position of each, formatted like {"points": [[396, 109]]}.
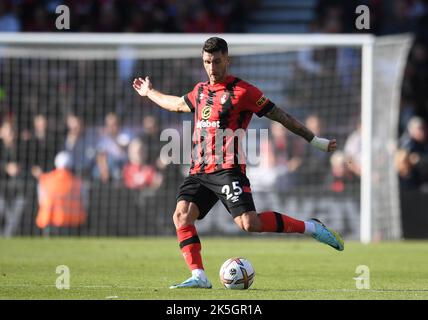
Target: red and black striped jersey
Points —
{"points": [[222, 114]]}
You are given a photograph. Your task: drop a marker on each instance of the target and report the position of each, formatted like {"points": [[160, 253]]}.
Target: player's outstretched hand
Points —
{"points": [[142, 86], [332, 145]]}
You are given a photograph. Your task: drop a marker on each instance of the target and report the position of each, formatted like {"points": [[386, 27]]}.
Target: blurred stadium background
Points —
{"points": [[79, 98]]}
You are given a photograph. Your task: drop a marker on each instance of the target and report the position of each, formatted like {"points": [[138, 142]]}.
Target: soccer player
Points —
{"points": [[223, 103]]}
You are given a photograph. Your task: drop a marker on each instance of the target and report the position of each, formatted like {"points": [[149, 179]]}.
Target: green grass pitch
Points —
{"points": [[143, 268]]}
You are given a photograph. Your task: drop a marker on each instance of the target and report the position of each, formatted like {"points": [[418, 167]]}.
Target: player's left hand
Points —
{"points": [[332, 145], [142, 86]]}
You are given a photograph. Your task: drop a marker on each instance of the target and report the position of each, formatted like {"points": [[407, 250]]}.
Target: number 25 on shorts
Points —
{"points": [[237, 190]]}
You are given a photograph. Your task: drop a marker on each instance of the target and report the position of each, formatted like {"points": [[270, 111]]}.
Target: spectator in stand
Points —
{"points": [[201, 20], [39, 20], [415, 139], [9, 21], [313, 168], [151, 139], [340, 179], [416, 77], [398, 17], [287, 155], [42, 149], [407, 110], [62, 197], [265, 176], [108, 19], [412, 159], [408, 176], [137, 173], [80, 144], [12, 180], [132, 16], [352, 151], [111, 150]]}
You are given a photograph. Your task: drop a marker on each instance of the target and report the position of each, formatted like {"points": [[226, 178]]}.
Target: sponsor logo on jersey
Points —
{"points": [[224, 97], [261, 101], [206, 113], [208, 124]]}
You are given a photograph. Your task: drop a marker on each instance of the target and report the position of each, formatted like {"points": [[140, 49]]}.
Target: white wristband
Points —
{"points": [[320, 143]]}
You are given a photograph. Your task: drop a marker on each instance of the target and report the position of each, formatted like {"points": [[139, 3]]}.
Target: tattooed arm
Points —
{"points": [[279, 115], [295, 126]]}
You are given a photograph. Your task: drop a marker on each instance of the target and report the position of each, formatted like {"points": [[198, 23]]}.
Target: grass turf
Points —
{"points": [[143, 268]]}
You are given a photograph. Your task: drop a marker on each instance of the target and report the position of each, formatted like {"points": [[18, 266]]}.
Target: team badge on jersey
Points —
{"points": [[224, 97], [261, 101], [201, 96], [206, 113]]}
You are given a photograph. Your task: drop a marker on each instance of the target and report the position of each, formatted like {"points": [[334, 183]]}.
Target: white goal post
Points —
{"points": [[380, 60]]}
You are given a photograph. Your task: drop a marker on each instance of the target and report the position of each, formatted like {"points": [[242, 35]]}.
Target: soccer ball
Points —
{"points": [[237, 274]]}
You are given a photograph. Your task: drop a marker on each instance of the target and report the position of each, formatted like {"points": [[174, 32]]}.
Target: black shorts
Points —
{"points": [[231, 186]]}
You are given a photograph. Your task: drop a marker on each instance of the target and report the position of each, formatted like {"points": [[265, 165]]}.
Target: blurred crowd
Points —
{"points": [[108, 153], [296, 164], [128, 156], [393, 17], [128, 15]]}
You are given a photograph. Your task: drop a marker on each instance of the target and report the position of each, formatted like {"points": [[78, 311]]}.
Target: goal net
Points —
{"points": [[80, 85]]}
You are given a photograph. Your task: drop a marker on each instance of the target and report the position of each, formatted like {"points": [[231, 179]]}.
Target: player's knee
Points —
{"points": [[246, 226], [249, 225], [182, 218], [178, 218]]}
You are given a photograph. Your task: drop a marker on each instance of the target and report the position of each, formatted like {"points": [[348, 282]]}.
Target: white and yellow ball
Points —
{"points": [[237, 274]]}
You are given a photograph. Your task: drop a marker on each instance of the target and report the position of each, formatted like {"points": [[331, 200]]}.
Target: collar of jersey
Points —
{"points": [[228, 79]]}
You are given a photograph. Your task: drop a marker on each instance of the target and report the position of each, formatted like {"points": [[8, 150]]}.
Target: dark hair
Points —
{"points": [[215, 44]]}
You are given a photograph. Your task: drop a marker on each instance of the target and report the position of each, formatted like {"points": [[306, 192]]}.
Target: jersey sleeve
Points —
{"points": [[257, 102], [190, 98]]}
